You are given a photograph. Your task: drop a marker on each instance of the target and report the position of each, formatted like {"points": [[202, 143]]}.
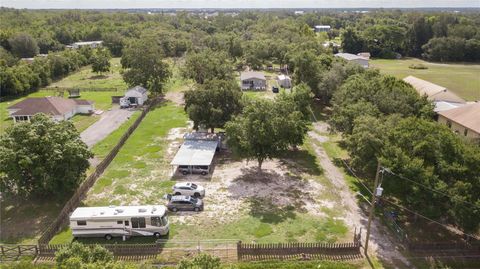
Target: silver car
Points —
{"points": [[188, 188], [196, 169], [182, 202]]}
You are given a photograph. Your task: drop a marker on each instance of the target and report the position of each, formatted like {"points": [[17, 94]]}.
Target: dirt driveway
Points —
{"points": [[381, 242], [109, 122]]}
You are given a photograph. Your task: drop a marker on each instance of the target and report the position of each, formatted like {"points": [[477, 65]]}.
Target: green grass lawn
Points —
{"points": [[86, 79], [463, 79]]}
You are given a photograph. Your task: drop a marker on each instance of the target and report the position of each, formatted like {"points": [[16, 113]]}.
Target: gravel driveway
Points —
{"points": [[109, 122]]}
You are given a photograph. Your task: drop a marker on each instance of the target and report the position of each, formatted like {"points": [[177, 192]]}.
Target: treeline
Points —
{"points": [[21, 77], [434, 172], [436, 37]]}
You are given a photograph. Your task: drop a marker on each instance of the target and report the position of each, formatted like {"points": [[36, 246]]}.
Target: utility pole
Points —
{"points": [[372, 206]]}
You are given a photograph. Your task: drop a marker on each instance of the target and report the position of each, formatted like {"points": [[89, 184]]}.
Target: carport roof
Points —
{"points": [[195, 152]]}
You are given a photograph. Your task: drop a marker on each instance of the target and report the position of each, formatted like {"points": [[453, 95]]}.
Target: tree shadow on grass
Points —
{"points": [[269, 212], [301, 161], [98, 77], [273, 197], [24, 219]]}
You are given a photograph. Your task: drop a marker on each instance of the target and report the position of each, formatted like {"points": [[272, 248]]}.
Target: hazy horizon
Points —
{"points": [[226, 4]]}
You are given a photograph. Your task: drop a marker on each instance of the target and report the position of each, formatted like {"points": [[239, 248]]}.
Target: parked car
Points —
{"points": [[188, 188], [275, 89], [185, 202], [124, 102], [197, 169]]}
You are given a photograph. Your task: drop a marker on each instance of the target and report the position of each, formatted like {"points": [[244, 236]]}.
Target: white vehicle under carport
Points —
{"points": [[119, 221]]}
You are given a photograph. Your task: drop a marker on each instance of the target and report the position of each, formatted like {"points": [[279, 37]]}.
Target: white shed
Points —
{"points": [[137, 95], [284, 81]]}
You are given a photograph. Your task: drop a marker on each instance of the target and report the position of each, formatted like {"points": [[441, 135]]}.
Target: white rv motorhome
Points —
{"points": [[111, 221]]}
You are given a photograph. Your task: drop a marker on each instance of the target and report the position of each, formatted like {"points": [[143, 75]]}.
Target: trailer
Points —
{"points": [[119, 221]]}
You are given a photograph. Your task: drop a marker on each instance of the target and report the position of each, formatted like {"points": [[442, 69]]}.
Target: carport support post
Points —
{"points": [[372, 207]]}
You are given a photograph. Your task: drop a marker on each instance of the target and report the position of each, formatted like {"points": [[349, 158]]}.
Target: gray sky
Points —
{"points": [[72, 4]]}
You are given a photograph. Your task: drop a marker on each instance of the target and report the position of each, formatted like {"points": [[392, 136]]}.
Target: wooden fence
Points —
{"points": [[305, 251], [62, 218], [15, 252]]}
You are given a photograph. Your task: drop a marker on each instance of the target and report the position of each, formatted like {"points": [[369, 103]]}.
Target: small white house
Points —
{"points": [[284, 81], [91, 44], [354, 58], [137, 95], [322, 28], [253, 80]]}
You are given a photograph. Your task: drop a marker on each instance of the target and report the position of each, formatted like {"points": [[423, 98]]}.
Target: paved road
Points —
{"points": [[109, 122]]}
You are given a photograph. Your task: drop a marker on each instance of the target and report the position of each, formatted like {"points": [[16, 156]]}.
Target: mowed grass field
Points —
{"points": [[86, 79], [462, 79]]}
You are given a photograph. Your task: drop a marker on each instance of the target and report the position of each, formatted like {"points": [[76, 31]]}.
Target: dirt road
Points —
{"points": [[380, 242], [109, 122]]}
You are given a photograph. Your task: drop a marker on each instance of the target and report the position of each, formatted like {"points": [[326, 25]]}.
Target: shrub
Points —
{"points": [[418, 66]]}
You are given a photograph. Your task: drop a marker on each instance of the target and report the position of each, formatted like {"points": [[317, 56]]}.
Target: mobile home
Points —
{"points": [[119, 221]]}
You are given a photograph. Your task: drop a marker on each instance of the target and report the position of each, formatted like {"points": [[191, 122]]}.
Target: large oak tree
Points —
{"points": [[42, 158]]}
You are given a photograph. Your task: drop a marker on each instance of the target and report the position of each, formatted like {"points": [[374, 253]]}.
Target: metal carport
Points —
{"points": [[195, 153]]}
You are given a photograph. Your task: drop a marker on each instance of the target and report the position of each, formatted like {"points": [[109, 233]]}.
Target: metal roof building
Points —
{"points": [[433, 91], [195, 152]]}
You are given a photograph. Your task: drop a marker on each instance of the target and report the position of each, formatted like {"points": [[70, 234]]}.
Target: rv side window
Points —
{"points": [[156, 221], [81, 222], [138, 223], [119, 222]]}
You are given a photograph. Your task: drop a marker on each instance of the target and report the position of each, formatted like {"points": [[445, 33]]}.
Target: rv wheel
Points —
{"points": [[196, 195], [108, 237], [157, 235], [185, 173], [174, 209]]}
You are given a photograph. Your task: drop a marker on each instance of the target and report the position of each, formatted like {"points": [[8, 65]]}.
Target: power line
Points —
{"points": [[427, 218], [357, 178], [425, 186], [402, 207]]}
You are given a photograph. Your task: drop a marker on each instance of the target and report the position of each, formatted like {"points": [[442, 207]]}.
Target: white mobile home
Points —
{"points": [[119, 221]]}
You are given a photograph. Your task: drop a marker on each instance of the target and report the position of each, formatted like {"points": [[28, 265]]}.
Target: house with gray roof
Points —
{"points": [[363, 61], [252, 80]]}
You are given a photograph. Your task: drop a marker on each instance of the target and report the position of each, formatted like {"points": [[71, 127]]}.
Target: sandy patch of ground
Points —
{"points": [[238, 187]]}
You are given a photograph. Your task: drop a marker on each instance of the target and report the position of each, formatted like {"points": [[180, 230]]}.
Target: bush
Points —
{"points": [[418, 66], [201, 261]]}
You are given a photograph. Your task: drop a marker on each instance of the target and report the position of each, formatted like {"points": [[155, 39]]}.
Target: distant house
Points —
{"points": [[364, 54], [439, 95], [253, 80], [322, 28], [91, 44], [354, 58], [137, 95], [284, 81], [464, 120], [57, 107]]}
